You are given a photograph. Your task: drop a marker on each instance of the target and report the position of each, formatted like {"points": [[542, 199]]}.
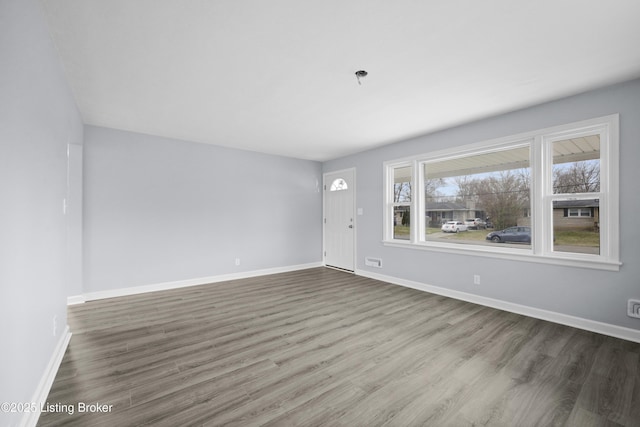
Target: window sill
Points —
{"points": [[526, 255]]}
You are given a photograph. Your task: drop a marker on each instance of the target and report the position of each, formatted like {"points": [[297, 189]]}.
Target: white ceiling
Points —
{"points": [[278, 76]]}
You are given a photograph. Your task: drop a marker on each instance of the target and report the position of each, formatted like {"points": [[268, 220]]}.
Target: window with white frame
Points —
{"points": [[577, 168], [401, 201], [579, 212], [547, 196], [487, 186]]}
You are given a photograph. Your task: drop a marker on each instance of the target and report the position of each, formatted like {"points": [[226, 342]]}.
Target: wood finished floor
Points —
{"points": [[323, 347]]}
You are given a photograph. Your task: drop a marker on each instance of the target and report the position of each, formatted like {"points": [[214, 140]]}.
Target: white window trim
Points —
{"points": [[389, 209], [542, 196]]}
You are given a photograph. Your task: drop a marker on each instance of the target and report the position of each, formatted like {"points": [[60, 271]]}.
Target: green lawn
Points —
{"points": [[569, 238], [577, 238], [401, 232], [470, 235]]}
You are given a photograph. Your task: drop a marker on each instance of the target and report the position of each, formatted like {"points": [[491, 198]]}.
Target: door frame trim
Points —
{"points": [[355, 215]]}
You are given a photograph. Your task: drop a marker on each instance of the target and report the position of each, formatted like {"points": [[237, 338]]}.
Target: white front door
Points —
{"points": [[339, 221]]}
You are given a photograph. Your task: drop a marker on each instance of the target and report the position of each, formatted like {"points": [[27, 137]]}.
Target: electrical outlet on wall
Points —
{"points": [[476, 279], [237, 261], [55, 325], [633, 308]]}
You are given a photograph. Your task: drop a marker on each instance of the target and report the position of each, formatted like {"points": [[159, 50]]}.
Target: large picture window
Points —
{"points": [[488, 190], [546, 196]]}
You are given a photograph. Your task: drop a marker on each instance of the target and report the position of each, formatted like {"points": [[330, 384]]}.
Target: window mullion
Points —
{"points": [[417, 205], [539, 189]]}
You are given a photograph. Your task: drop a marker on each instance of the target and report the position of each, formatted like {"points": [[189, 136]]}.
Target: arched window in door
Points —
{"points": [[339, 184]]}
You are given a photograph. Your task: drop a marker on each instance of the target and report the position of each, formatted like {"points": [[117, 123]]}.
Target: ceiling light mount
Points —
{"points": [[361, 74]]}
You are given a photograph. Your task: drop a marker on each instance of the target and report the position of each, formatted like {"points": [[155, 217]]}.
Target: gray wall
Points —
{"points": [[38, 118], [159, 210], [591, 294]]}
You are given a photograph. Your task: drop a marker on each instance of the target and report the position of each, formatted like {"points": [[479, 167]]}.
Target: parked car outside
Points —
{"points": [[454, 227], [511, 234], [475, 223]]}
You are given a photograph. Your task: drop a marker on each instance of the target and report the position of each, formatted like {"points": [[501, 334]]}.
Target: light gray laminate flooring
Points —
{"points": [[323, 347]]}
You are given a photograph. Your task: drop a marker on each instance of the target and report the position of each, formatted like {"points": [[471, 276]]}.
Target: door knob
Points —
{"points": [[350, 226]]}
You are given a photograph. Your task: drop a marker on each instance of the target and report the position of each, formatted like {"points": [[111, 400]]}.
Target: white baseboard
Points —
{"points": [[551, 316], [92, 296], [30, 419]]}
